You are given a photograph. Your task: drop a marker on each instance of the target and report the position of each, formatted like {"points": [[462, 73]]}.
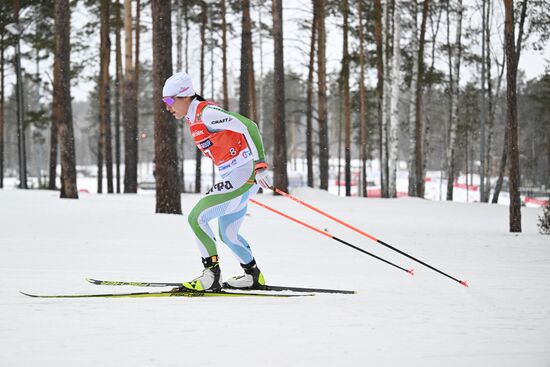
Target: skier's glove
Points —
{"points": [[262, 176]]}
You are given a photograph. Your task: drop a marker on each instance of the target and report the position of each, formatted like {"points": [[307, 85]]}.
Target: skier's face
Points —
{"points": [[177, 106]]}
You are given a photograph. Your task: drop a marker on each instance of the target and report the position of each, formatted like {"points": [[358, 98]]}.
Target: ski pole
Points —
{"points": [[281, 192], [410, 271]]}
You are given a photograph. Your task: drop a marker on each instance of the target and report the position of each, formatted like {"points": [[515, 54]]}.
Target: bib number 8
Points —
{"points": [[233, 151]]}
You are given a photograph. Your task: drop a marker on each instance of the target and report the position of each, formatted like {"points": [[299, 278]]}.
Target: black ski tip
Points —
{"points": [[29, 295]]}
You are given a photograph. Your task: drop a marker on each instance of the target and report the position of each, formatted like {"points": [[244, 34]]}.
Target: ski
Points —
{"points": [[166, 294], [273, 288], [276, 288]]}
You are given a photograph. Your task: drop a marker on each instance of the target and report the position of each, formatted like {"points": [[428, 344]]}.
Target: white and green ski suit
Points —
{"points": [[217, 132]]}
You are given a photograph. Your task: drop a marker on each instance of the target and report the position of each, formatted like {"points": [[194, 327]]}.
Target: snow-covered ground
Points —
{"points": [[48, 245]]}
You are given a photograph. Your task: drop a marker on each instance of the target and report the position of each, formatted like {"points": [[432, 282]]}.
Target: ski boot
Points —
{"points": [[251, 279], [209, 281]]}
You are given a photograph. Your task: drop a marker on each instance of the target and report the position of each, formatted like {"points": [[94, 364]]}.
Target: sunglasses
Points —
{"points": [[169, 100]]}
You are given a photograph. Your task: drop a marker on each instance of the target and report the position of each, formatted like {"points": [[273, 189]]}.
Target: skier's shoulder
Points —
{"points": [[213, 115]]}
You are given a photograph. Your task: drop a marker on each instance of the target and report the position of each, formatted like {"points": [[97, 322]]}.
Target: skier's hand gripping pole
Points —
{"points": [[262, 176]]}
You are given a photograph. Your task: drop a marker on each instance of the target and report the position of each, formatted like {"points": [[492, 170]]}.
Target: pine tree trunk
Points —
{"points": [[425, 120], [449, 168], [38, 147], [450, 95], [181, 125], [212, 77], [419, 126], [493, 103], [505, 154], [129, 108], [512, 118], [466, 166], [21, 125], [179, 34], [137, 28], [259, 104], [252, 89], [395, 95], [322, 96], [252, 79], [224, 57], [100, 139], [187, 27], [548, 161], [104, 140], [62, 110], [101, 127], [492, 113], [309, 99], [346, 102], [339, 133], [362, 104], [489, 159], [198, 153], [245, 103], [502, 168], [52, 176], [380, 83], [386, 55], [280, 178], [426, 125], [108, 128], [186, 47], [490, 117], [2, 47], [412, 101], [454, 103], [118, 52], [168, 198], [198, 170]]}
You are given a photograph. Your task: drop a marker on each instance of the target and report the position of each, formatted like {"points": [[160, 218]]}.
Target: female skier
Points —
{"points": [[234, 144]]}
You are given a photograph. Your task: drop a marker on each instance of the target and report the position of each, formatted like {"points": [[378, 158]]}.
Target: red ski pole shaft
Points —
{"points": [[281, 192], [410, 271]]}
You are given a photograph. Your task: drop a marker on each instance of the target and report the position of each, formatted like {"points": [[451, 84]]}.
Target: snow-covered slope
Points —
{"points": [[48, 245]]}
